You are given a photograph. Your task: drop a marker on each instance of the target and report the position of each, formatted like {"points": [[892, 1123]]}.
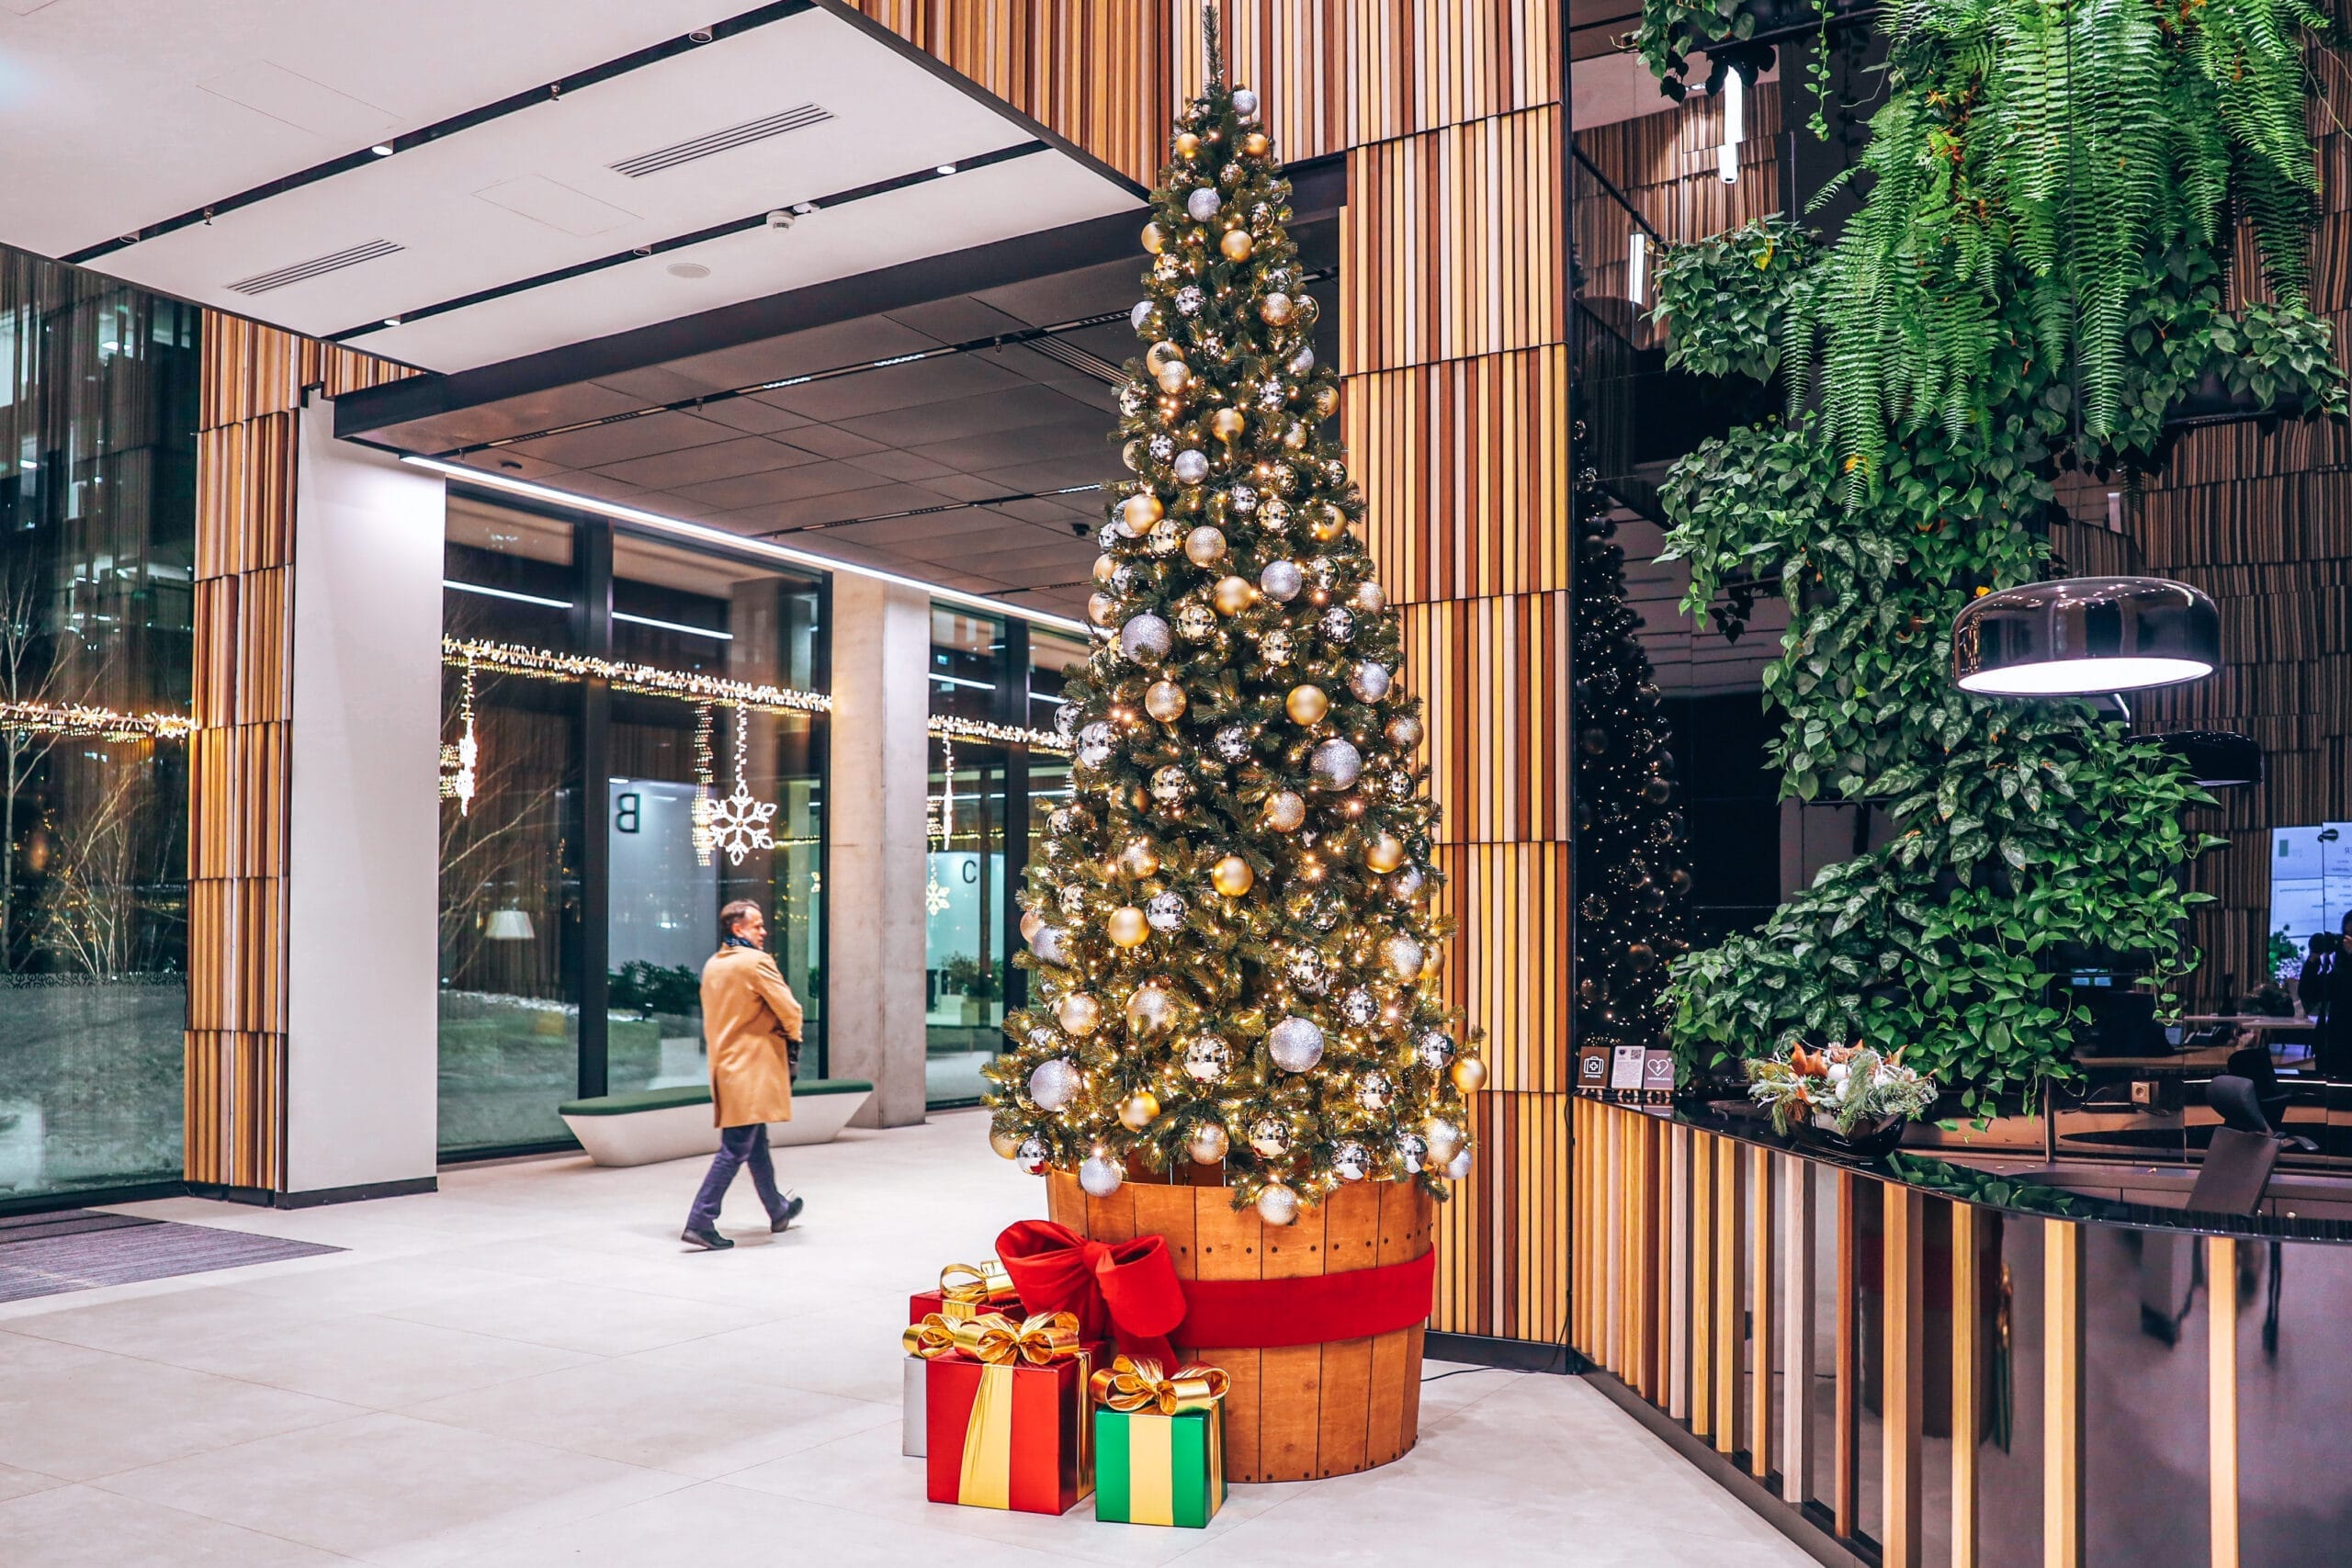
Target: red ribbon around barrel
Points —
{"points": [[1128, 1291]]}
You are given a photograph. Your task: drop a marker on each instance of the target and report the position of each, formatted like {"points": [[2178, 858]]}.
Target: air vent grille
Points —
{"points": [[734, 136], [1079, 359], [317, 267]]}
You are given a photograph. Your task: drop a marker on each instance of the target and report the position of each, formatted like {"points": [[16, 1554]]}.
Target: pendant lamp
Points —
{"points": [[2083, 634]]}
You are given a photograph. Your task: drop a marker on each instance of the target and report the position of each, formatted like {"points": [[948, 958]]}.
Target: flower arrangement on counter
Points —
{"points": [[1850, 1088]]}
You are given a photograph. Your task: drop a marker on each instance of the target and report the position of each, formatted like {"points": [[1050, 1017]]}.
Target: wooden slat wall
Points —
{"points": [[253, 381], [1453, 326], [1093, 70]]}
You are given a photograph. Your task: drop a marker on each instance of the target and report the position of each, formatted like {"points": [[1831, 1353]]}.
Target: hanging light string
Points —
{"points": [[82, 721], [644, 680], [460, 763], [944, 725], [706, 804], [946, 790]]}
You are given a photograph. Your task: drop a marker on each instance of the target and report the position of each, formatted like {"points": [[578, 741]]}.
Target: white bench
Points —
{"points": [[649, 1124]]}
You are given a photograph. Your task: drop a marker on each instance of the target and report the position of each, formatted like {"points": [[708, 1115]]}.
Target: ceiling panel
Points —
{"points": [[532, 220]]}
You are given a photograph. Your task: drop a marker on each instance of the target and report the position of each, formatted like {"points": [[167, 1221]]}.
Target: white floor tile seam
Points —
{"points": [[99, 1485]]}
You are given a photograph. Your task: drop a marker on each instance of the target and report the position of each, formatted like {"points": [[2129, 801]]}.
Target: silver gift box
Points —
{"points": [[913, 1436]]}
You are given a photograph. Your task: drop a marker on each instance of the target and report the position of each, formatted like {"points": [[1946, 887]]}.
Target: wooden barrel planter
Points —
{"points": [[1295, 1412]]}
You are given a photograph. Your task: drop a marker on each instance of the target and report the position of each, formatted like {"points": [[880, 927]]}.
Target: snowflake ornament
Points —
{"points": [[739, 824]]}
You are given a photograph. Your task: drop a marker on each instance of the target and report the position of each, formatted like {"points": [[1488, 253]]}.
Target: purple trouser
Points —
{"points": [[737, 1147]]}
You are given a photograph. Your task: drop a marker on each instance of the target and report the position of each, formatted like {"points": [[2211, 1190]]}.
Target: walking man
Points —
{"points": [[751, 1022]]}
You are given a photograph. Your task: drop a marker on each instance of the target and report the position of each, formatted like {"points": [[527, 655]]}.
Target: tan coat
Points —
{"points": [[748, 1016]]}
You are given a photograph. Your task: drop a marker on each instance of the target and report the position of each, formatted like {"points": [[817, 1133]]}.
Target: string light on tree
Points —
{"points": [[1230, 926]]}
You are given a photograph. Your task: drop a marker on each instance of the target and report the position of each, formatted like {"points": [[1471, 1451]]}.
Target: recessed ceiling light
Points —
{"points": [[700, 35], [29, 463], [804, 208], [391, 320], [381, 149], [687, 269], [946, 168]]}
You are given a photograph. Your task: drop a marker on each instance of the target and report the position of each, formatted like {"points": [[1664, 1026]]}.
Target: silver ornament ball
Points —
{"points": [[1165, 912], [1202, 204], [1207, 1059], [1231, 744], [1144, 638], [1053, 1084], [1334, 764], [1282, 579], [1031, 1157], [1357, 1007], [1278, 1206], [1191, 465], [1369, 681], [1099, 1176], [1295, 1044], [1351, 1161]]}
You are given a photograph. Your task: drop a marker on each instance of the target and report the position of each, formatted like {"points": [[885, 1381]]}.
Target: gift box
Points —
{"points": [[1159, 1444], [1005, 1415], [966, 1290]]}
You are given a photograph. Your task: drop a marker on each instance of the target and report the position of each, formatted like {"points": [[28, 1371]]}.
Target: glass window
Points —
{"points": [[966, 664], [97, 506], [577, 915]]}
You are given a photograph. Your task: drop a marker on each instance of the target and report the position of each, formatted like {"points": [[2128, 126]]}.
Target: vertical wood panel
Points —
{"points": [[1797, 1327], [2221, 1395], [251, 386], [1967, 1349], [1901, 1371], [2061, 1395], [1760, 1286]]}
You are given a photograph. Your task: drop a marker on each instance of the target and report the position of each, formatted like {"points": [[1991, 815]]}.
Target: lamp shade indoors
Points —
{"points": [[2083, 634], [510, 925]]}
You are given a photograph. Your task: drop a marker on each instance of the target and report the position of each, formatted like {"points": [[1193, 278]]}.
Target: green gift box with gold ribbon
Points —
{"points": [[1159, 1444]]}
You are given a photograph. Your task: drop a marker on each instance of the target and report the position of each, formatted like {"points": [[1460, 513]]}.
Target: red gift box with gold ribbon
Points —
{"points": [[1006, 1419]]}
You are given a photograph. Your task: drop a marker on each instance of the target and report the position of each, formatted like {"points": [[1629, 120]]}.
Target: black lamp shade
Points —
{"points": [[2082, 635]]}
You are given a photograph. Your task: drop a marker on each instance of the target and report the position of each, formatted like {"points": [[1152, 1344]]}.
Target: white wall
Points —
{"points": [[874, 879], [364, 843]]}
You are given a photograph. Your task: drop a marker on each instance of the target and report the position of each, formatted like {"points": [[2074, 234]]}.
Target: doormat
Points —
{"points": [[83, 1249]]}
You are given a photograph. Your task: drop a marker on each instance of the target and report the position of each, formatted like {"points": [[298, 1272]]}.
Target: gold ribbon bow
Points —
{"points": [[1040, 1341], [1132, 1385], [933, 1338], [983, 1282]]}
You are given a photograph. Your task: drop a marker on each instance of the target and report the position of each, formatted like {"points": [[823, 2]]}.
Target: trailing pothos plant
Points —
{"points": [[1724, 300], [2023, 838]]}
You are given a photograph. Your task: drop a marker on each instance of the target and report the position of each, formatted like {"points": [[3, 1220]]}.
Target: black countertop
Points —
{"points": [[2297, 1208]]}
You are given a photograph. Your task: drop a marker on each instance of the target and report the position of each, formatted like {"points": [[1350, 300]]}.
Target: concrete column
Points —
{"points": [[873, 880], [363, 847]]}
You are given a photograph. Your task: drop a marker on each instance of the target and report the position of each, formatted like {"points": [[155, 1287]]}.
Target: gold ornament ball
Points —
{"points": [[1162, 354], [1139, 513], [1031, 923], [1227, 424], [1150, 1010], [1006, 1144], [1276, 308], [1105, 567], [1295, 438], [1286, 811], [1306, 705], [1232, 876], [1327, 402], [1254, 145], [1155, 237], [1235, 245], [1443, 1137], [1141, 858], [1208, 1144], [1233, 595], [1164, 701], [1187, 145], [1079, 1014], [1102, 609], [1469, 1074], [1172, 378], [1384, 853], [1205, 546], [1432, 962], [1137, 1111], [1127, 927], [1330, 522]]}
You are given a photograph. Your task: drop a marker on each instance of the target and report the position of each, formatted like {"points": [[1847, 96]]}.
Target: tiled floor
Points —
{"points": [[524, 1367]]}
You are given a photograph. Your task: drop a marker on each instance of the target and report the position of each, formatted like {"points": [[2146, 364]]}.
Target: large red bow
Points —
{"points": [[1126, 1290]]}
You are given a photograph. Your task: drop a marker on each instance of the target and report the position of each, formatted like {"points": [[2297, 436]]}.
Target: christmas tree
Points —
{"points": [[1230, 922], [1630, 878]]}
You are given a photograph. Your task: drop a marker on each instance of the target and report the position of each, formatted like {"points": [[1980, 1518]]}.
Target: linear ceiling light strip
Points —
{"points": [[548, 664], [80, 721], [926, 511], [738, 543], [1034, 337], [682, 241], [653, 54]]}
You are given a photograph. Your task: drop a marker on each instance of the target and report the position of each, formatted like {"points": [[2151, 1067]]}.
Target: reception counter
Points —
{"points": [[1944, 1359]]}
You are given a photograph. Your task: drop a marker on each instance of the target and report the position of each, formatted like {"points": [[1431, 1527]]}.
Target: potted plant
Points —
{"points": [[1852, 1099]]}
